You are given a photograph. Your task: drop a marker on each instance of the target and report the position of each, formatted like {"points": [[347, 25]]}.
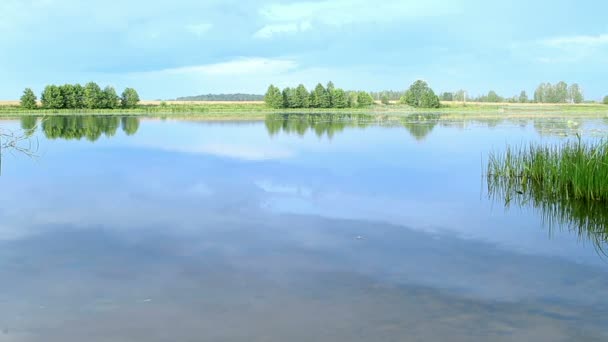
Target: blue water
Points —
{"points": [[220, 231]]}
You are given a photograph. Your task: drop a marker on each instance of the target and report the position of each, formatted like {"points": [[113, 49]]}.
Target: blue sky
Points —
{"points": [[188, 47]]}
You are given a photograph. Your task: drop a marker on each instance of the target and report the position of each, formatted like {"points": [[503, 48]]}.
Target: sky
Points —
{"points": [[191, 47]]}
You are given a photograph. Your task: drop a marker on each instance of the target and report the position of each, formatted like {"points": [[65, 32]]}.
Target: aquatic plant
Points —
{"points": [[574, 170], [567, 183]]}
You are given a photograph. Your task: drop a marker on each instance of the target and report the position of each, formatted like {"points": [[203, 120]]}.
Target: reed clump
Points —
{"points": [[575, 170]]}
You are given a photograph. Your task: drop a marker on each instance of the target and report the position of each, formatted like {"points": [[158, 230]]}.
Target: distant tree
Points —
{"points": [[391, 94], [320, 97], [273, 97], [493, 97], [110, 99], [340, 99], [447, 96], [523, 97], [302, 97], [330, 91], [575, 94], [352, 98], [93, 96], [420, 95], [364, 99], [52, 98], [460, 95], [561, 92], [223, 97], [605, 101], [385, 100], [289, 98], [70, 96], [28, 99], [130, 98]]}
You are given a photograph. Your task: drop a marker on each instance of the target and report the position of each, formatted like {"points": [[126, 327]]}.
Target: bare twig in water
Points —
{"points": [[17, 143]]}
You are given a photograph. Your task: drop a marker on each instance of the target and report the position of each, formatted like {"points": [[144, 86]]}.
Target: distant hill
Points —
{"points": [[223, 97]]}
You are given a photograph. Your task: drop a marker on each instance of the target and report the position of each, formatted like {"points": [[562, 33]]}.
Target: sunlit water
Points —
{"points": [[151, 230]]}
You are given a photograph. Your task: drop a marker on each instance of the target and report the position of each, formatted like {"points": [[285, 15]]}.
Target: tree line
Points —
{"points": [[76, 96], [560, 92], [418, 95], [222, 97], [320, 97]]}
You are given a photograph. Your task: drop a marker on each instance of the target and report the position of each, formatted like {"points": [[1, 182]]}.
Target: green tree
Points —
{"points": [[364, 99], [110, 99], [28, 99], [384, 99], [320, 97], [561, 92], [330, 91], [93, 96], [340, 99], [523, 97], [70, 96], [52, 98], [273, 97], [493, 97], [460, 95], [302, 97], [130, 98], [289, 98], [605, 101], [420, 95], [447, 96], [575, 94]]}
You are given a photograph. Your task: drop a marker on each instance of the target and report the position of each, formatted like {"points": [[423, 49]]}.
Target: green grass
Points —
{"points": [[574, 170], [258, 110]]}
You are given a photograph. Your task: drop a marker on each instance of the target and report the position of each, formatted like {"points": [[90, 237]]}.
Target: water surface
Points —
{"points": [[323, 229]]}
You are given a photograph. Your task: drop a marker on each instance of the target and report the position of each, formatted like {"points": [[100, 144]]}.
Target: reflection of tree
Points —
{"points": [[321, 124], [89, 127], [588, 219], [130, 125], [420, 125], [28, 124]]}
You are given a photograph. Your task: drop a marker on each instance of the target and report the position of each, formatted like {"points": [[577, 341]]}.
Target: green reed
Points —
{"points": [[574, 170], [567, 184]]}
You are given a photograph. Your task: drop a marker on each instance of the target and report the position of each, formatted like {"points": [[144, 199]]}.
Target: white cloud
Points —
{"points": [[199, 29], [270, 30], [576, 41], [567, 49], [238, 67], [302, 16]]}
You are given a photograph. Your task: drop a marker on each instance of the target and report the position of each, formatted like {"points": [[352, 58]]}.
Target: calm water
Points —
{"points": [[152, 230]]}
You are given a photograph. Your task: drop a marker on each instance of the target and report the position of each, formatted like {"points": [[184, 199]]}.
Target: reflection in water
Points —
{"points": [[557, 127], [80, 126], [418, 125], [321, 124], [588, 219]]}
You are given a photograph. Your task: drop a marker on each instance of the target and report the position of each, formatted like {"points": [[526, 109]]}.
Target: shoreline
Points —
{"points": [[215, 110]]}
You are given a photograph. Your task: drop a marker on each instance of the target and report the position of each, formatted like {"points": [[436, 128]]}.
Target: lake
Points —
{"points": [[314, 229]]}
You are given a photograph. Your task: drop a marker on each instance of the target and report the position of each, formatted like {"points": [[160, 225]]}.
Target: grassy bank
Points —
{"points": [[257, 110]]}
